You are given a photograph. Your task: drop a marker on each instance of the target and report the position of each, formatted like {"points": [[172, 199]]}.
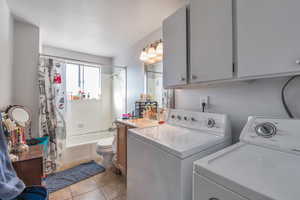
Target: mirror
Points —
{"points": [[154, 78], [154, 85], [20, 115]]}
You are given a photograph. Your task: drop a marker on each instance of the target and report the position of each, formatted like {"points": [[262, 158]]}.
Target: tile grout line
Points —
{"points": [[82, 193], [103, 193]]}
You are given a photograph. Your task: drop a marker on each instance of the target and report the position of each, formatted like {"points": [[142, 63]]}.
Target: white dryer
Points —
{"points": [[264, 165], [160, 159]]}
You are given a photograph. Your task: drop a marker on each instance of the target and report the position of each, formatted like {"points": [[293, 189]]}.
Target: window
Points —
{"points": [[83, 81]]}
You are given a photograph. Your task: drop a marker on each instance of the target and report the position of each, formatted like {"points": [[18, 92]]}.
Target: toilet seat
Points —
{"points": [[105, 144]]}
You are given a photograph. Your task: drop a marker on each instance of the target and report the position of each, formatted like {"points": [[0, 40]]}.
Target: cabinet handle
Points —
{"points": [[298, 62], [194, 77], [182, 79], [213, 198]]}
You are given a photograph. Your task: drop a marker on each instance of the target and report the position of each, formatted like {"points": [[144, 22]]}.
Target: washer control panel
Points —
{"points": [[198, 120], [211, 123], [276, 133], [266, 129]]}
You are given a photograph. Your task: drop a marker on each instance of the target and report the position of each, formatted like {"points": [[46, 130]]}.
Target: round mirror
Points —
{"points": [[20, 115]]}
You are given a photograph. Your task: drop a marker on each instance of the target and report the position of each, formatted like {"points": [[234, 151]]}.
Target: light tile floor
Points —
{"points": [[104, 186]]}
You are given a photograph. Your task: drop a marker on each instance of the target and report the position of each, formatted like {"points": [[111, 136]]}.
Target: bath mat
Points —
{"points": [[71, 176]]}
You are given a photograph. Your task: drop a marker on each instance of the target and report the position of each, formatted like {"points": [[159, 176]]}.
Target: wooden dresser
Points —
{"points": [[29, 167]]}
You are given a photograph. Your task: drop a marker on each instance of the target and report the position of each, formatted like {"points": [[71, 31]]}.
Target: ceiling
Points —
{"points": [[99, 27]]}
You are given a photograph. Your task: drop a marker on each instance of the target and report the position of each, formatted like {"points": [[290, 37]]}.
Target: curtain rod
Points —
{"points": [[80, 61]]}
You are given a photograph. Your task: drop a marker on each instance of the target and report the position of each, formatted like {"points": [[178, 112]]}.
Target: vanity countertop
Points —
{"points": [[138, 123]]}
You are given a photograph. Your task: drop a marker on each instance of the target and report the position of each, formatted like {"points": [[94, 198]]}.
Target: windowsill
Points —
{"points": [[84, 100]]}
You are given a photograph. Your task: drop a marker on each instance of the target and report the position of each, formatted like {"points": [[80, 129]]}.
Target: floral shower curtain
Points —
{"points": [[52, 109]]}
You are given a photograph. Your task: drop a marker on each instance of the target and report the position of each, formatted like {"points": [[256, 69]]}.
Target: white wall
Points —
{"points": [[53, 51], [135, 70], [25, 65], [6, 53], [242, 99]]}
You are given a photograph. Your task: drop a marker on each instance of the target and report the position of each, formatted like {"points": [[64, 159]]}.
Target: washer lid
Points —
{"points": [[105, 143], [253, 171], [181, 142]]}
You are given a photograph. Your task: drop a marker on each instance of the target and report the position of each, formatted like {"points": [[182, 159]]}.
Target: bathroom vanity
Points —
{"points": [[122, 129]]}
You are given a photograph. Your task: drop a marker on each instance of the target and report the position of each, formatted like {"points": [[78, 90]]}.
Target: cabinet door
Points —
{"points": [[268, 37], [211, 46], [122, 148], [175, 49]]}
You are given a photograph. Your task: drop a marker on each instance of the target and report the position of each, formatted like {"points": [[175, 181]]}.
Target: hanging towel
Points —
{"points": [[10, 185]]}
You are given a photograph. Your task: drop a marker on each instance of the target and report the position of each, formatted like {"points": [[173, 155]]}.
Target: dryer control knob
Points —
{"points": [[211, 123], [266, 130]]}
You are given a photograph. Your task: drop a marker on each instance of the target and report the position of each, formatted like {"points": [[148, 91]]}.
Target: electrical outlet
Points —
{"points": [[204, 99]]}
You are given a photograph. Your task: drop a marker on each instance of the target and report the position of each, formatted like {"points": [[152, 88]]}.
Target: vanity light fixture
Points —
{"points": [[159, 48], [153, 53], [144, 55]]}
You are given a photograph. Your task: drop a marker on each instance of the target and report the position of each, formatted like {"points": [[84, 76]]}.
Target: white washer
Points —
{"points": [[160, 159], [264, 165]]}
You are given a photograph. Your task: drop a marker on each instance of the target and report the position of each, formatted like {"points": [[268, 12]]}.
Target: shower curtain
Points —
{"points": [[52, 109]]}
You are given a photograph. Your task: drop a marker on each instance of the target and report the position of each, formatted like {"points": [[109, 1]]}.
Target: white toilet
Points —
{"points": [[105, 148]]}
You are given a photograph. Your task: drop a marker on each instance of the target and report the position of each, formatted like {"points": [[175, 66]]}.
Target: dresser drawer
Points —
{"points": [[204, 189], [29, 167], [30, 171]]}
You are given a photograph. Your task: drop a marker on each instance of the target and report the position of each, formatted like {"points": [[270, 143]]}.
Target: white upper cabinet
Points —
{"points": [[211, 46], [268, 33], [175, 49]]}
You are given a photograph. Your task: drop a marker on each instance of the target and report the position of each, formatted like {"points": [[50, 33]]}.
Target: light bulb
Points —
{"points": [[159, 49], [144, 56], [158, 58], [151, 52], [151, 61]]}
